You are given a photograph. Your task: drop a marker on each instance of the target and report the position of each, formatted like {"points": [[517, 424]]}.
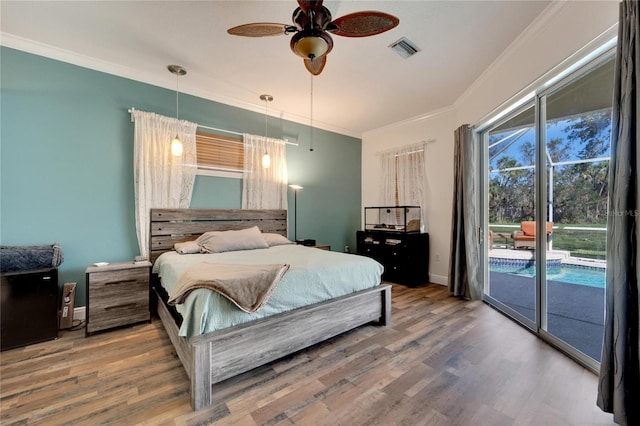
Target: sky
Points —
{"points": [[555, 129]]}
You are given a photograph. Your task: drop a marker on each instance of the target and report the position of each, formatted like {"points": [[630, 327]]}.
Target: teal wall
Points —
{"points": [[66, 163]]}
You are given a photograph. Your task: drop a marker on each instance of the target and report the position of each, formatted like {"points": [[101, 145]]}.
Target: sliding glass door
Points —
{"points": [[545, 209], [511, 202]]}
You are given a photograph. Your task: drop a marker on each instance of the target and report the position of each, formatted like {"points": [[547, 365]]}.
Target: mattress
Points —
{"points": [[314, 276]]}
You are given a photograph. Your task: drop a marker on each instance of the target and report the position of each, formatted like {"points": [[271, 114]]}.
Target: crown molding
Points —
{"points": [[67, 56], [532, 30], [600, 45], [422, 117], [92, 63], [529, 32]]}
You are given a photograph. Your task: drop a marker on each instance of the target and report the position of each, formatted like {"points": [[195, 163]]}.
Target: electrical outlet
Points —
{"points": [[437, 257], [346, 249]]}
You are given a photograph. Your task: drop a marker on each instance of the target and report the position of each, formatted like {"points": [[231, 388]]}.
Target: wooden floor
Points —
{"points": [[443, 362]]}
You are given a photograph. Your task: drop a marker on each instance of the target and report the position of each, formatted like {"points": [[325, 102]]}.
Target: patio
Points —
{"points": [[575, 312]]}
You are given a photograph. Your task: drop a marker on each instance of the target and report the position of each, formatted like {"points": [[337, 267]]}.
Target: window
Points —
{"points": [[403, 178], [219, 155]]}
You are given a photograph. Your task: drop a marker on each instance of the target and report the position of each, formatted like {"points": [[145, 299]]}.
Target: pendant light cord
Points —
{"points": [[311, 113], [177, 103]]}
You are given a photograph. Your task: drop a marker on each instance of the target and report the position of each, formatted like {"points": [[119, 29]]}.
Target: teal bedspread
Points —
{"points": [[315, 275]]}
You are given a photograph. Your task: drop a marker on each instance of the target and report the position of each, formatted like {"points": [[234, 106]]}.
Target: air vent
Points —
{"points": [[404, 47]]}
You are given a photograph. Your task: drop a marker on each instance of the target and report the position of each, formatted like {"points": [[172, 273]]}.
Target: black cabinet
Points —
{"points": [[405, 256], [29, 307]]}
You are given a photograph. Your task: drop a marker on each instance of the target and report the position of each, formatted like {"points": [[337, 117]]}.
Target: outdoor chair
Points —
{"points": [[526, 237]]}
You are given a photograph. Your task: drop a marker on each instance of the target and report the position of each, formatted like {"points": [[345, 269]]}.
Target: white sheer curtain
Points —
{"points": [[404, 179], [161, 179], [264, 188]]}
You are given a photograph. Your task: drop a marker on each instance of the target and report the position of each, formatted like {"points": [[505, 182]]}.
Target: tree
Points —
{"points": [[510, 191], [579, 190], [592, 133]]}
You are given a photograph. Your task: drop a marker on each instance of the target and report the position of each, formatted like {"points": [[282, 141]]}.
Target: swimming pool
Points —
{"points": [[591, 277]]}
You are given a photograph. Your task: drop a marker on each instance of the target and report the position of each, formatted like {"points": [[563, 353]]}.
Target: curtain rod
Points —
{"points": [[216, 129], [420, 146]]}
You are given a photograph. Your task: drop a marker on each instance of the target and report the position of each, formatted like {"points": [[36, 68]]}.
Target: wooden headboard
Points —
{"points": [[170, 226]]}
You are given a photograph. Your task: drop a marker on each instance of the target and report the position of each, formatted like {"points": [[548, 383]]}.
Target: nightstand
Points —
{"points": [[117, 295], [321, 246]]}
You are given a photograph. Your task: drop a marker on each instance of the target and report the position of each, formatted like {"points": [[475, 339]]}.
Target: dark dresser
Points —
{"points": [[29, 311], [404, 255]]}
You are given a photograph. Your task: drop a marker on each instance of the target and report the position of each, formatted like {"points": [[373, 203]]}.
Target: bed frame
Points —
{"points": [[213, 357]]}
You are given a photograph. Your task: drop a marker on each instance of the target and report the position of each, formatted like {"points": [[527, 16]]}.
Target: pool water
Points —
{"points": [[565, 274]]}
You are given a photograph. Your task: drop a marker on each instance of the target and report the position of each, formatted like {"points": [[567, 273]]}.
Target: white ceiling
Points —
{"points": [[364, 86]]}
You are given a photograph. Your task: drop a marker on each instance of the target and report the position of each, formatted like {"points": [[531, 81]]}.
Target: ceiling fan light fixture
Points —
{"points": [[311, 44]]}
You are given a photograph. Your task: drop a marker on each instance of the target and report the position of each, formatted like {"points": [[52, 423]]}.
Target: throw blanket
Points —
{"points": [[22, 258], [247, 286]]}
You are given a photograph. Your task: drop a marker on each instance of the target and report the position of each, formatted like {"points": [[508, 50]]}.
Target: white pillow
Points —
{"points": [[221, 241], [188, 247], [276, 239]]}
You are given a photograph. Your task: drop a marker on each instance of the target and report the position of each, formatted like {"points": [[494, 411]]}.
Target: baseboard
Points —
{"points": [[438, 279], [80, 313]]}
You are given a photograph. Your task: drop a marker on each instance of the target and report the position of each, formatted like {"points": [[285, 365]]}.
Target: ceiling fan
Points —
{"points": [[312, 28]]}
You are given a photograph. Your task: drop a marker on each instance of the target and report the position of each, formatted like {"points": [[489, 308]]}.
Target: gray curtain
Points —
{"points": [[464, 259], [619, 385]]}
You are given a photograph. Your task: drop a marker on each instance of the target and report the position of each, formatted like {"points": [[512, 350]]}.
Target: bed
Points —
{"points": [[217, 355]]}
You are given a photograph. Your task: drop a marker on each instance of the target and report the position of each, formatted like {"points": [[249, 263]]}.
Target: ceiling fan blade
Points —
{"points": [[363, 24], [259, 29], [316, 65], [310, 4]]}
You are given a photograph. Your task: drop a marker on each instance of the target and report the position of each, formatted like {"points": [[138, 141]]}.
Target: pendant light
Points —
{"points": [[266, 159], [176, 143]]}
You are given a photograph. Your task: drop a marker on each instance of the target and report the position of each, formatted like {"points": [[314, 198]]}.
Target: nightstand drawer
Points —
{"points": [[120, 277], [117, 295], [116, 289], [122, 313]]}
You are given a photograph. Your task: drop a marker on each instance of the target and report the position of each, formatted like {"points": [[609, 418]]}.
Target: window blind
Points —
{"points": [[217, 152]]}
